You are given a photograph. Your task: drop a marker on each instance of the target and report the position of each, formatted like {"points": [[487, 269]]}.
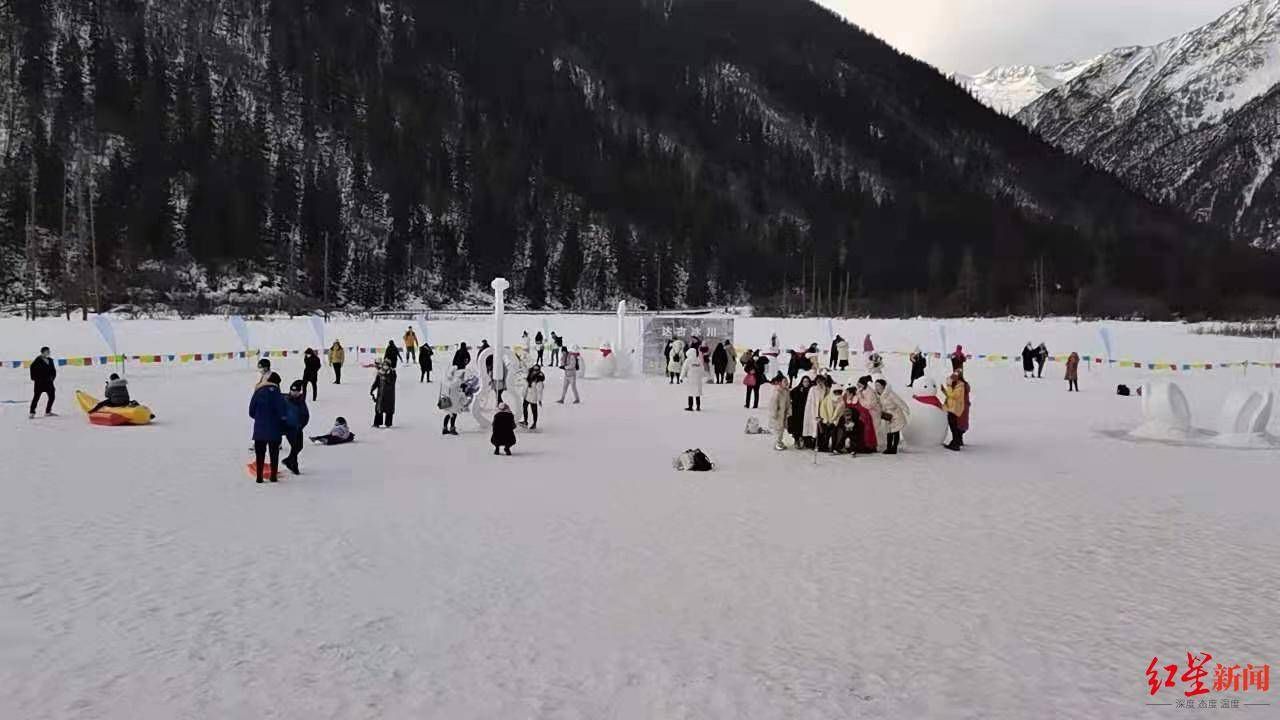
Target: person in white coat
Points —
{"points": [[780, 410], [534, 381], [870, 399], [898, 412], [675, 361], [695, 371], [842, 354], [812, 408], [571, 363], [451, 400]]}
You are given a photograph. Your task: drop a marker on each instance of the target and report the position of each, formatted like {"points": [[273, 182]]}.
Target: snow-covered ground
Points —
{"points": [[411, 575]]}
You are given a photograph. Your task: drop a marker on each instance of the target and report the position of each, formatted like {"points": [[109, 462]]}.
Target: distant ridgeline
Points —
{"points": [[374, 153]]}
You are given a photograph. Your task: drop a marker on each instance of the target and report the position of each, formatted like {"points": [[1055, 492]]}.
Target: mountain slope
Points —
{"points": [[1189, 121], [384, 152]]}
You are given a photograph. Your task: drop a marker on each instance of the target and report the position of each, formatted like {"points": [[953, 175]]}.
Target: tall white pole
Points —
{"points": [[621, 358], [499, 286]]}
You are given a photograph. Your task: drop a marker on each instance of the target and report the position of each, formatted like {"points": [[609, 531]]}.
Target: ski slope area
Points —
{"points": [[410, 575]]}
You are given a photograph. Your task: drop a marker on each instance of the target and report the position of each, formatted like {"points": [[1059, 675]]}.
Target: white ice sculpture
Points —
{"points": [[1244, 417], [927, 427], [621, 355], [1165, 413], [485, 403], [499, 286]]}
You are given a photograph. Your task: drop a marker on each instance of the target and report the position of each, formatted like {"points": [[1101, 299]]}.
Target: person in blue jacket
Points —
{"points": [[298, 418], [270, 416]]}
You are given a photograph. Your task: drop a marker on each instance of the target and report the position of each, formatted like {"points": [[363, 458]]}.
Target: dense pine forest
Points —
{"points": [[393, 153]]}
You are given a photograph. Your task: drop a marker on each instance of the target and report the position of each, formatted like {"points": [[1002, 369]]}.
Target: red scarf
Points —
{"points": [[928, 400]]}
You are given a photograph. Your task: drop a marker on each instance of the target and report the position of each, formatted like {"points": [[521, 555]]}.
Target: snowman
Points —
{"points": [[607, 366], [927, 428]]}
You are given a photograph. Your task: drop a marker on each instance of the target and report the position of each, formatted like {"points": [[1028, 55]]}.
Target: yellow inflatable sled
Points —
{"points": [[132, 415]]}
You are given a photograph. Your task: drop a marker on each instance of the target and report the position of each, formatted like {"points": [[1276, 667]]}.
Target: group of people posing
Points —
{"points": [[867, 415], [817, 412], [820, 415]]}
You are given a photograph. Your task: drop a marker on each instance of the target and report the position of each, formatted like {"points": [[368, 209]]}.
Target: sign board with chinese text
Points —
{"points": [[661, 329]]}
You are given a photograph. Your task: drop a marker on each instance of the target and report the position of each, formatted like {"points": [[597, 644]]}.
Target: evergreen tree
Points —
{"points": [[570, 264], [967, 282]]}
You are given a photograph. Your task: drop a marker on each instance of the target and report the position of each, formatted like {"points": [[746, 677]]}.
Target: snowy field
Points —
{"points": [[411, 575]]}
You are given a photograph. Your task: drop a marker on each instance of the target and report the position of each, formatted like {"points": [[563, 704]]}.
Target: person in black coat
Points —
{"points": [[43, 372], [504, 429], [115, 395], [1028, 361], [761, 366], [720, 361], [424, 362], [1042, 357], [311, 372], [538, 341], [799, 396], [462, 358], [835, 352], [918, 364], [806, 361], [297, 418], [392, 356], [383, 393]]}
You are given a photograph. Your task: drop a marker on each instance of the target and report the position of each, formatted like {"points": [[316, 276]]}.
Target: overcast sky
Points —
{"points": [[969, 36]]}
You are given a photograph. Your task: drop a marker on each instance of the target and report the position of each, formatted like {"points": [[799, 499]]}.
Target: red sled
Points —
{"points": [[267, 470], [112, 419]]}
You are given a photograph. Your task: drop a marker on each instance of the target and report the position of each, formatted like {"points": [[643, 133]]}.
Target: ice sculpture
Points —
{"points": [[1165, 413], [1243, 420]]}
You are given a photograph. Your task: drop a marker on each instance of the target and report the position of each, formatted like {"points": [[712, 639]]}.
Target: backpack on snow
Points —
{"points": [[753, 427], [1122, 390], [694, 460], [701, 463]]}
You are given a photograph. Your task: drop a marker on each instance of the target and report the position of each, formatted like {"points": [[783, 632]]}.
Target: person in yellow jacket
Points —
{"points": [[410, 345], [336, 357], [956, 403]]}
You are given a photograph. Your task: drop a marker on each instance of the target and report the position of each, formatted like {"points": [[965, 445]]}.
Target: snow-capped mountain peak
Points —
{"points": [[1191, 120], [1010, 88]]}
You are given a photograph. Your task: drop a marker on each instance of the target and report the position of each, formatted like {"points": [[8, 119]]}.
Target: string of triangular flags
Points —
{"points": [[183, 358], [1099, 360]]}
